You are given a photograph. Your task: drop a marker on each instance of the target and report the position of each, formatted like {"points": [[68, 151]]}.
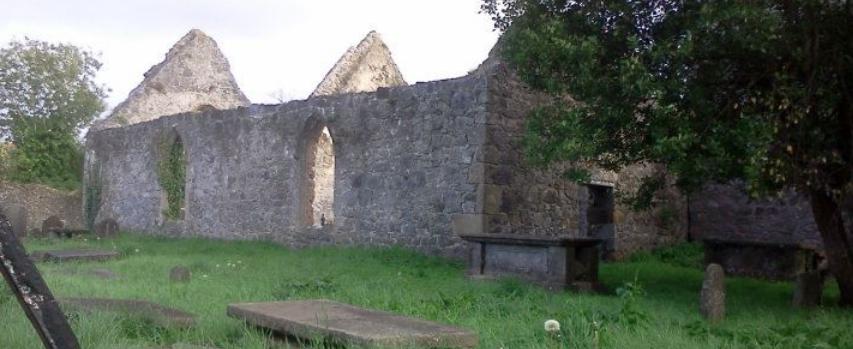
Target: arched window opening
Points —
{"points": [[321, 179], [172, 171]]}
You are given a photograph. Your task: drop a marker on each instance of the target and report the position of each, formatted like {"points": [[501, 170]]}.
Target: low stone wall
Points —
{"points": [[42, 202]]}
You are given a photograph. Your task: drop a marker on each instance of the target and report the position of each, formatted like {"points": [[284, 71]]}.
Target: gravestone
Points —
{"points": [[73, 255], [157, 314], [808, 290], [180, 274], [106, 228], [17, 216], [349, 325], [51, 225], [712, 300]]}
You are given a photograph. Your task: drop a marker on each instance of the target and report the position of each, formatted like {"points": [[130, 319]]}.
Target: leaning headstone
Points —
{"points": [[106, 228], [17, 216], [32, 292], [712, 303], [180, 274], [51, 225], [808, 290]]}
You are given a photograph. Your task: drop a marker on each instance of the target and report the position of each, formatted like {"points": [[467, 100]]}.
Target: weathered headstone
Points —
{"points": [[349, 325], [180, 274], [17, 216], [159, 315], [712, 300], [808, 290], [32, 292], [51, 225], [106, 228]]}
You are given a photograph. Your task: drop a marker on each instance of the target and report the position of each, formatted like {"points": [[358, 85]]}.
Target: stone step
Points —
{"points": [[347, 324], [73, 255], [159, 315]]}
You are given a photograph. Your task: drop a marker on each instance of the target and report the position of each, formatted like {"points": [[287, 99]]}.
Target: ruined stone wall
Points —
{"points": [[726, 212], [402, 161], [518, 198], [41, 202]]}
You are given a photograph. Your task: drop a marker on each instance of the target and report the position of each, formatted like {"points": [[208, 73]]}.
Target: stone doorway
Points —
{"points": [[599, 215]]}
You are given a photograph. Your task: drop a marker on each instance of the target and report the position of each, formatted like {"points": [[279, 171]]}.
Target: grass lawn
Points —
{"points": [[659, 310]]}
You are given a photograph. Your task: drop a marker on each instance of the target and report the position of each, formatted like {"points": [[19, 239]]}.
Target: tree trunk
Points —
{"points": [[839, 254]]}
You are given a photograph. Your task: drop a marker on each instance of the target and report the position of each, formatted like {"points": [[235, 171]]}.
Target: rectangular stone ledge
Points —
{"points": [[350, 325]]}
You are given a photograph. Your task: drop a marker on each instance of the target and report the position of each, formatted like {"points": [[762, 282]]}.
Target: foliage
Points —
{"points": [[172, 175], [715, 90], [47, 157], [92, 197], [686, 255], [47, 94]]}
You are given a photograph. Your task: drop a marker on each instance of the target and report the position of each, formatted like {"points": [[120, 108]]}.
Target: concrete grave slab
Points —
{"points": [[160, 315], [348, 324], [73, 255]]}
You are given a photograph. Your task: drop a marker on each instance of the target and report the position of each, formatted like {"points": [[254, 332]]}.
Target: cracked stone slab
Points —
{"points": [[344, 323], [158, 314], [73, 255]]}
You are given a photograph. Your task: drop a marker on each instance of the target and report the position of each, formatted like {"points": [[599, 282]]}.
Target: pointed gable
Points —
{"points": [[362, 68], [194, 76]]}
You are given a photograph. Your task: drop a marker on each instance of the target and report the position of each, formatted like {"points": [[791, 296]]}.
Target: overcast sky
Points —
{"points": [[284, 45]]}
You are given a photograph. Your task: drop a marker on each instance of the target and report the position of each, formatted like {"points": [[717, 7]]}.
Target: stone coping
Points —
{"points": [[532, 240], [347, 324], [738, 242]]}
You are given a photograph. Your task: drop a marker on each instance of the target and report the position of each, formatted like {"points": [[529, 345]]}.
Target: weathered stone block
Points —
{"points": [[107, 228], [50, 226], [180, 274], [17, 216], [467, 224], [349, 325], [712, 299]]}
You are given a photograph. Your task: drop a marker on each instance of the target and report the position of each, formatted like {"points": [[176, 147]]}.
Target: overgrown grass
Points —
{"points": [[656, 307]]}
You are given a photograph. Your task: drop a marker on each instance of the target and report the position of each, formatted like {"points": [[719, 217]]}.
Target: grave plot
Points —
{"points": [[73, 255], [347, 324], [158, 314]]}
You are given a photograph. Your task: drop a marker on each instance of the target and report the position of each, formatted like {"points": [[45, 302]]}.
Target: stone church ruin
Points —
{"points": [[367, 159]]}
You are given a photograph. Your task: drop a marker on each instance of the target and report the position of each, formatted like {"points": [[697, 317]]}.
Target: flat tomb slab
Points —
{"points": [[344, 323], [160, 315], [74, 255]]}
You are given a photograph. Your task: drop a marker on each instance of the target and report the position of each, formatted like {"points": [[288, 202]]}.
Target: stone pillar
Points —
{"points": [[712, 300]]}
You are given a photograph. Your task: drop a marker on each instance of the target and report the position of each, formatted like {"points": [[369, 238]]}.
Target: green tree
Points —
{"points": [[47, 94], [716, 90]]}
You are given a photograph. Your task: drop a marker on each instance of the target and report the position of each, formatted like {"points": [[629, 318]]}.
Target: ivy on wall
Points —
{"points": [[93, 197], [172, 173]]}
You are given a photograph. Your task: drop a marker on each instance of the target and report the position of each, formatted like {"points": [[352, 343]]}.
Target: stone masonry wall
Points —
{"points": [[518, 198], [42, 202], [726, 212], [402, 163]]}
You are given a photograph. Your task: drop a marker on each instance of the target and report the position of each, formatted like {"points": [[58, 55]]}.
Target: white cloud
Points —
{"points": [[272, 46]]}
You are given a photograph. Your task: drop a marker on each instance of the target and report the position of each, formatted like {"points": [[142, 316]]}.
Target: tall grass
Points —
{"points": [[657, 306]]}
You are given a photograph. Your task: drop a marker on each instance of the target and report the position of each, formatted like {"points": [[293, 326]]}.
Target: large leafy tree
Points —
{"points": [[47, 95], [716, 90]]}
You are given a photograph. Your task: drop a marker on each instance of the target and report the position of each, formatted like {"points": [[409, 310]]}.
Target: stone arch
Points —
{"points": [[172, 176], [316, 178]]}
